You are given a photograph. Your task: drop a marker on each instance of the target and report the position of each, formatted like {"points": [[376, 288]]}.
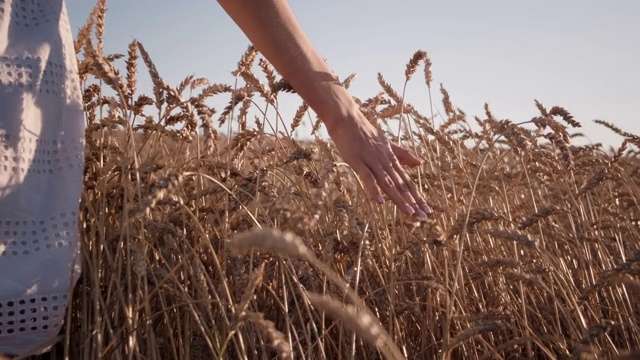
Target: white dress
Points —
{"points": [[41, 167]]}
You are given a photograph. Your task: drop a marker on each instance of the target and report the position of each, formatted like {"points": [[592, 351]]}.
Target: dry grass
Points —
{"points": [[533, 250]]}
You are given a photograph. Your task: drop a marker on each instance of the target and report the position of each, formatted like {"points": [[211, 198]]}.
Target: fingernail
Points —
{"points": [[420, 215], [380, 199], [427, 210], [408, 209]]}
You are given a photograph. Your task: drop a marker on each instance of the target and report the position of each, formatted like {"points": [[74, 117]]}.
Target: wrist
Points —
{"points": [[335, 106]]}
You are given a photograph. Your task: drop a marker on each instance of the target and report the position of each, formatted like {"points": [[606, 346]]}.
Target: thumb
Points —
{"points": [[405, 156]]}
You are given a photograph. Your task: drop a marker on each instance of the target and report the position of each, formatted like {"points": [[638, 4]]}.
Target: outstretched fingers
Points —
{"points": [[407, 158], [393, 181], [419, 202], [396, 184], [377, 181]]}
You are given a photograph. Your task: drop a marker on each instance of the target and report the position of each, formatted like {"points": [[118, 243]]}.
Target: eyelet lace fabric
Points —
{"points": [[41, 165]]}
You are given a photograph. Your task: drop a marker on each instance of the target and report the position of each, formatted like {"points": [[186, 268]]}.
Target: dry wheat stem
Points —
{"points": [[361, 322]]}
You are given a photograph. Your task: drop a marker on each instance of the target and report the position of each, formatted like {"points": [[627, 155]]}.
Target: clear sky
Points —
{"points": [[583, 55]]}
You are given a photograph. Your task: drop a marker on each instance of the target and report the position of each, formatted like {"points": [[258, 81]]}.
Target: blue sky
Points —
{"points": [[580, 54]]}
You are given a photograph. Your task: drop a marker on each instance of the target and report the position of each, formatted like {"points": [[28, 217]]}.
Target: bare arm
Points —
{"points": [[273, 29], [275, 32]]}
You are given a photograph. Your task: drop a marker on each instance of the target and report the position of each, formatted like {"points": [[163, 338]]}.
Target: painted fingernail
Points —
{"points": [[408, 209], [420, 215], [427, 210], [380, 199]]}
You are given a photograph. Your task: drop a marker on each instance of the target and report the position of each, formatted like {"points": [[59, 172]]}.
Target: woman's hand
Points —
{"points": [[378, 163], [275, 32]]}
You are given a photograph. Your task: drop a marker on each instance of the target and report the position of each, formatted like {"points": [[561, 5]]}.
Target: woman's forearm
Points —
{"points": [[275, 32]]}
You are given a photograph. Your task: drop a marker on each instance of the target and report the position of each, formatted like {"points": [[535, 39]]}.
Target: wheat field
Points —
{"points": [[257, 245]]}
